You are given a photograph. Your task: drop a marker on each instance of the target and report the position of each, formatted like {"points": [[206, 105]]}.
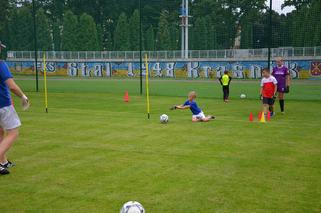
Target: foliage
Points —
{"points": [[214, 24], [70, 32]]}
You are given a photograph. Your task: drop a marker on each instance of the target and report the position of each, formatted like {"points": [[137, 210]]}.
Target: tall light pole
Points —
{"points": [[140, 47], [35, 42], [270, 35], [185, 25]]}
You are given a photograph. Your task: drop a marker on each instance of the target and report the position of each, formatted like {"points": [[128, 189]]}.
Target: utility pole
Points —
{"points": [[270, 35], [185, 25], [35, 43], [140, 48]]}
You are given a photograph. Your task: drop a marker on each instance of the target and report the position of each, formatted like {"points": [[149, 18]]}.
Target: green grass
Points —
{"points": [[92, 152]]}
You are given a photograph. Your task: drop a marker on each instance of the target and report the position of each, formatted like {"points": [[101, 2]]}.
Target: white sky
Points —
{"points": [[277, 6]]}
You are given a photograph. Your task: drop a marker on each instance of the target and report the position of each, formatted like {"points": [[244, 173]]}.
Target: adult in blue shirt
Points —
{"points": [[198, 114], [9, 120]]}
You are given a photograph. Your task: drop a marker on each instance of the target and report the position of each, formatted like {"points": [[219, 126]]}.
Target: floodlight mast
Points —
{"points": [[185, 25]]}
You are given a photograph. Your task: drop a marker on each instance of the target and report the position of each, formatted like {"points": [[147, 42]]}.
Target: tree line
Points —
{"points": [[79, 25]]}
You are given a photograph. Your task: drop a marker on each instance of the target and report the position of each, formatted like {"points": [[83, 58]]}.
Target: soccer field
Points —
{"points": [[92, 152]]}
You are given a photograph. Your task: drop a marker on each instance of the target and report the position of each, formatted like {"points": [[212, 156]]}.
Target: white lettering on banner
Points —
{"points": [[207, 70], [72, 69], [170, 70], [98, 70], [157, 69], [255, 71], [130, 70], [108, 69], [163, 69], [84, 70], [294, 70], [51, 67], [192, 69], [144, 69], [238, 71], [220, 70]]}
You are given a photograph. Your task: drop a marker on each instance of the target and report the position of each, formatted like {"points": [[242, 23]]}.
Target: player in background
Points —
{"points": [[268, 91], [282, 75], [9, 120], [225, 81], [198, 114]]}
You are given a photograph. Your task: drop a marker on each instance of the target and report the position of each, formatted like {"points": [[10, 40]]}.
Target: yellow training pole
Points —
{"points": [[45, 80], [147, 87]]}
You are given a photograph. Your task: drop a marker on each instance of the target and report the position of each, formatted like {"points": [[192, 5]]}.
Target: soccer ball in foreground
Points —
{"points": [[132, 207], [164, 118], [243, 96]]}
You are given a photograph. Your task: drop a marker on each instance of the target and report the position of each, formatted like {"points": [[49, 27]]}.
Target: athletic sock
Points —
{"points": [[4, 163], [281, 105]]}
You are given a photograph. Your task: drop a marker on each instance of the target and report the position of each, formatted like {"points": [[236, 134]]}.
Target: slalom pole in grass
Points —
{"points": [[147, 87], [45, 81]]}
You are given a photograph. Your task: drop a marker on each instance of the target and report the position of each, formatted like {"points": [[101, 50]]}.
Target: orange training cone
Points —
{"points": [[126, 97], [259, 115], [251, 117]]}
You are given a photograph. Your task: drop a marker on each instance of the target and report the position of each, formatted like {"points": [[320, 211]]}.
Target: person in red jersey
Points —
{"points": [[268, 91]]}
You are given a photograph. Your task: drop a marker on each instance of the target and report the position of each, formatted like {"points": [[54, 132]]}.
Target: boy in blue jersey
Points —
{"points": [[198, 114], [9, 120]]}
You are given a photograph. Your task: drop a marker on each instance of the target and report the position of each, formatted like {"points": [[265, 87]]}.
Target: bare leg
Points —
{"points": [[206, 119], [265, 109], [4, 159], [7, 142], [196, 120]]}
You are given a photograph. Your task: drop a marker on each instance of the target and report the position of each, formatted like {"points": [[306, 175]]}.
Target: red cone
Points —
{"points": [[251, 117], [126, 97], [268, 117], [260, 115]]}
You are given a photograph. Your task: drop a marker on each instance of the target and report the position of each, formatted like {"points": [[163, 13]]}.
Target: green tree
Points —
{"points": [[21, 29], [121, 34], [69, 32], [44, 38], [200, 34], [4, 5], [163, 32], [150, 39], [56, 34], [87, 34], [134, 36], [174, 36], [107, 34]]}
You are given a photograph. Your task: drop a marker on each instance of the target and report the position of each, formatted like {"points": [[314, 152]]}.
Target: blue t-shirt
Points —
{"points": [[5, 74], [193, 107]]}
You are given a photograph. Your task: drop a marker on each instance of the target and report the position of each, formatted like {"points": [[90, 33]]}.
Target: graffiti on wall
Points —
{"points": [[194, 70]]}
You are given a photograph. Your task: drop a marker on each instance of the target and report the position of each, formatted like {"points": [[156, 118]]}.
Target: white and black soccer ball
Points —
{"points": [[132, 207], [164, 118], [242, 96]]}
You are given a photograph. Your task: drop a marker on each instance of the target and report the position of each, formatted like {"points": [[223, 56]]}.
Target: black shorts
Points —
{"points": [[268, 101]]}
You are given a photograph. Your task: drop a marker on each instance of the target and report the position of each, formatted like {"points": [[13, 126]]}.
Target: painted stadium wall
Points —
{"points": [[300, 69]]}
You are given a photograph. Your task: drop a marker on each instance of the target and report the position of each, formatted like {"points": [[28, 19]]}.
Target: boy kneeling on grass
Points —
{"points": [[268, 91], [198, 114]]}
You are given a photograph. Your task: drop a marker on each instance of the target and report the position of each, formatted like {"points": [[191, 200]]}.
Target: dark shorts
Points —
{"points": [[281, 87], [268, 101]]}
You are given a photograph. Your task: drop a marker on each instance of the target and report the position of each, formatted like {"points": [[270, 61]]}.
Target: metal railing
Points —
{"points": [[287, 52]]}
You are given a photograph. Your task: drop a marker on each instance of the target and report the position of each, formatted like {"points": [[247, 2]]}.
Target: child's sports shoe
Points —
{"points": [[8, 165], [3, 171], [272, 114]]}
